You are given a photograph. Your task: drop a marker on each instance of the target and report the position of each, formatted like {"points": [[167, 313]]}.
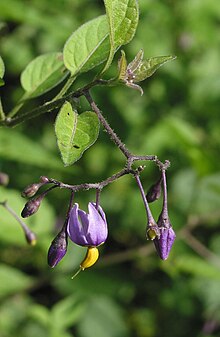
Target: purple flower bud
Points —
{"points": [[31, 207], [44, 179], [164, 241], [87, 229], [30, 237], [57, 248], [4, 179], [154, 191], [31, 190]]}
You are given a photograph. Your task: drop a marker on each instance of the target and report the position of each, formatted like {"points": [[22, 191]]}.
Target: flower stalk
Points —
{"points": [[29, 234]]}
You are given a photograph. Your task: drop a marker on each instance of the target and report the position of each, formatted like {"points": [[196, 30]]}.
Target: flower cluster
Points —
{"points": [[90, 230]]}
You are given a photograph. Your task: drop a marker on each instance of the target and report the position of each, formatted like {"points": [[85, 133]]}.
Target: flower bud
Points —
{"points": [[44, 180], [4, 179], [31, 190], [31, 207], [164, 241], [31, 238], [57, 249], [154, 191]]}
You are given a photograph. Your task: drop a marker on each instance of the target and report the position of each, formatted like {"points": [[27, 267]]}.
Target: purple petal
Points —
{"points": [[77, 229], [98, 230], [101, 212], [87, 229]]}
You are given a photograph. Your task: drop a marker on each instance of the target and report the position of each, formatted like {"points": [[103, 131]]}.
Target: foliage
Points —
{"points": [[129, 293]]}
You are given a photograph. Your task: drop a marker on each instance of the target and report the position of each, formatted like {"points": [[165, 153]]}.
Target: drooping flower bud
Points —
{"points": [[57, 248], [4, 179], [30, 190], [44, 179], [154, 191], [30, 237], [164, 240], [31, 207], [87, 229]]}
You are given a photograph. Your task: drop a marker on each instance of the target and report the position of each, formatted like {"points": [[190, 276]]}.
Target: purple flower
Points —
{"points": [[87, 229], [165, 238]]}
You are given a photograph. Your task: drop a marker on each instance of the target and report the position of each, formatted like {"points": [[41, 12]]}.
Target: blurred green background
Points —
{"points": [[129, 292]]}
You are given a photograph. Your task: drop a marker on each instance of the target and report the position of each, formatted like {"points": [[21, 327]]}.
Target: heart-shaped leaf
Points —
{"points": [[75, 133], [88, 46], [42, 74]]}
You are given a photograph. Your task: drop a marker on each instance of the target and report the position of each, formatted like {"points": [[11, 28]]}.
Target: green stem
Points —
{"points": [[2, 115], [64, 89], [50, 105], [19, 105], [28, 233]]}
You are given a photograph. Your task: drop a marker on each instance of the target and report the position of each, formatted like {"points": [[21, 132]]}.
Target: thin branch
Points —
{"points": [[88, 186], [107, 127], [30, 236]]}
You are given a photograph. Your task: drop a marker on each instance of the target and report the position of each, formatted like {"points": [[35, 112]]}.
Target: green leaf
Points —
{"points": [[2, 71], [40, 314], [122, 17], [17, 147], [12, 281], [149, 66], [66, 312], [207, 198], [2, 68], [42, 74], [197, 266], [122, 66], [104, 317], [75, 133], [88, 46]]}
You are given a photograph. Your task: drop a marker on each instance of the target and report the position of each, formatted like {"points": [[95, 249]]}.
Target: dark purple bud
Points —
{"points": [[154, 191], [31, 238], [4, 179], [164, 241], [57, 248], [31, 190], [44, 180], [31, 207]]}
